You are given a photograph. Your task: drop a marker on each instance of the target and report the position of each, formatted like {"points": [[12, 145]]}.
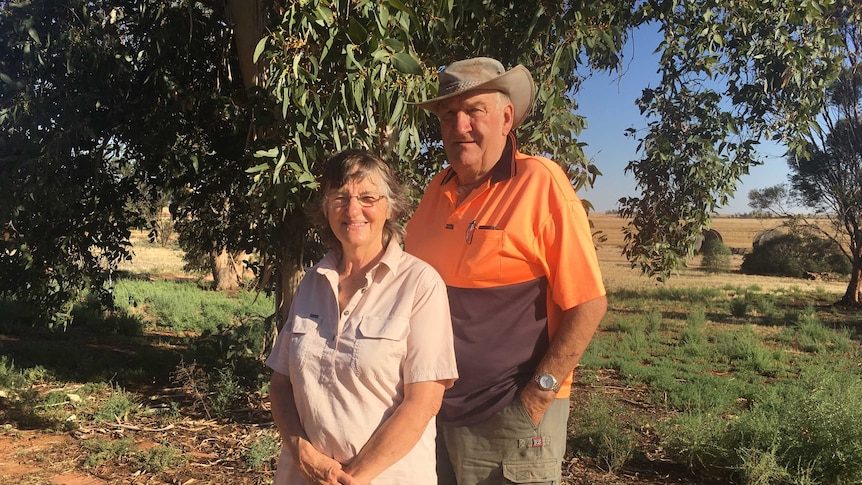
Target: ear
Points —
{"points": [[508, 118]]}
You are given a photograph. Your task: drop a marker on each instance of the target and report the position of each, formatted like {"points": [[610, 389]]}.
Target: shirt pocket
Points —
{"points": [[381, 345], [305, 342], [483, 256]]}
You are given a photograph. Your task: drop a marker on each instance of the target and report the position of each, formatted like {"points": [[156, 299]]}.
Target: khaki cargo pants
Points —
{"points": [[504, 449]]}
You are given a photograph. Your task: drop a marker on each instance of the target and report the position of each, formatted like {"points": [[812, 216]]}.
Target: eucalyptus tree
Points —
{"points": [[732, 73], [827, 179], [343, 72]]}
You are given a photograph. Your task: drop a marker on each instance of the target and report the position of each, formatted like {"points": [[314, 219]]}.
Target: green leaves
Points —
{"points": [[406, 63], [259, 48]]}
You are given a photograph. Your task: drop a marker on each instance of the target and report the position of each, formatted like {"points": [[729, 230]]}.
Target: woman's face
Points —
{"points": [[357, 212]]}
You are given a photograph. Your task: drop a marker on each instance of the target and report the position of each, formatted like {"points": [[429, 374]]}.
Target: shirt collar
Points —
{"points": [[391, 257]]}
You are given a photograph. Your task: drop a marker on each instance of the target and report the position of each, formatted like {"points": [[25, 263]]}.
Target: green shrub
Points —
{"points": [[716, 256], [762, 467], [159, 458], [101, 451], [692, 340], [654, 321], [262, 453], [744, 350], [809, 428], [225, 393], [90, 314], [596, 431], [796, 255], [117, 407], [10, 377], [739, 307], [821, 431], [697, 440]]}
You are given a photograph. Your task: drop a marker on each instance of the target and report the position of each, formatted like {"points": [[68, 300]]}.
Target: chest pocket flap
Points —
{"points": [[389, 328], [301, 325]]}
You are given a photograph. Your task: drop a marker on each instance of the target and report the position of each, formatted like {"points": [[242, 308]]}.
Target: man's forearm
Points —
{"points": [[576, 330]]}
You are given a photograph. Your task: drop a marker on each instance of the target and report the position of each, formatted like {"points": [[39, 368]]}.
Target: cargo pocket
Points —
{"points": [[381, 345], [531, 471]]}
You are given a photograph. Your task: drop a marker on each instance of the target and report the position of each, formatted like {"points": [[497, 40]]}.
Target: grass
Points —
{"points": [[183, 306], [732, 378], [752, 384]]}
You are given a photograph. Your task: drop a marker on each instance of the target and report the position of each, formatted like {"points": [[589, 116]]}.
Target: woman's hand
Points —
{"points": [[319, 469], [316, 467]]}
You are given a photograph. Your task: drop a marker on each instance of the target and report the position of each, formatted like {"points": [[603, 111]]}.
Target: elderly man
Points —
{"points": [[511, 240]]}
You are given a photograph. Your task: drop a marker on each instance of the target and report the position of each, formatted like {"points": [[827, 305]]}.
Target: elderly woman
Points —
{"points": [[366, 351]]}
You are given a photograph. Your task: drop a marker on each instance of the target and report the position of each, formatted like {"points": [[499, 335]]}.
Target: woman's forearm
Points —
{"points": [[314, 465], [400, 432]]}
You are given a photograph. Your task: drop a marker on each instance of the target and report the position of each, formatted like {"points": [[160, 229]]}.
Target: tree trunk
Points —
{"points": [[224, 270], [248, 22], [851, 296], [289, 277]]}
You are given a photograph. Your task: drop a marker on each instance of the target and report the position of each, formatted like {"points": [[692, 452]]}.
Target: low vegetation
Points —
{"points": [[747, 386], [796, 256], [714, 383]]}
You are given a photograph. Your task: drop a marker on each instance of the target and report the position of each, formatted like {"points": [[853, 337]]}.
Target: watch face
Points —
{"points": [[546, 382]]}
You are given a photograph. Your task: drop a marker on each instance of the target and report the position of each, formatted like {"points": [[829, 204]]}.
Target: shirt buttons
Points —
{"points": [[346, 312]]}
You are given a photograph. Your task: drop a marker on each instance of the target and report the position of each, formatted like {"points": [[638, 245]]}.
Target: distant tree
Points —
{"points": [[797, 254], [732, 73], [827, 177], [716, 256]]}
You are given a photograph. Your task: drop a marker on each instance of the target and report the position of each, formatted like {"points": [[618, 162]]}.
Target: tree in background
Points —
{"points": [[732, 73], [105, 108], [104, 103], [827, 176], [341, 73], [69, 92]]}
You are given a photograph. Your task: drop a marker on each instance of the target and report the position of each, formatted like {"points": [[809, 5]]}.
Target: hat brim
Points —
{"points": [[516, 83]]}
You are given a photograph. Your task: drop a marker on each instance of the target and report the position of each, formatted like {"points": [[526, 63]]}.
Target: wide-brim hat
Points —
{"points": [[484, 73]]}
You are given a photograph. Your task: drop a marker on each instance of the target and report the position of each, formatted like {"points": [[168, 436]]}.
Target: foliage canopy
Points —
{"points": [[106, 105]]}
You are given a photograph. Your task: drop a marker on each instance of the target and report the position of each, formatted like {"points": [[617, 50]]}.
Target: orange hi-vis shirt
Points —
{"points": [[515, 254]]}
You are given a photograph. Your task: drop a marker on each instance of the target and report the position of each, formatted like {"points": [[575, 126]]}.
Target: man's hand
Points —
{"points": [[536, 401]]}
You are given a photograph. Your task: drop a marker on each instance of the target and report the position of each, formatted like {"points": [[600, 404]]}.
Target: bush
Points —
{"points": [[716, 256], [796, 255], [597, 431]]}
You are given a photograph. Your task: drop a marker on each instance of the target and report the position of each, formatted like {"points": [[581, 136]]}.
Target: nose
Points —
{"points": [[353, 206], [462, 122]]}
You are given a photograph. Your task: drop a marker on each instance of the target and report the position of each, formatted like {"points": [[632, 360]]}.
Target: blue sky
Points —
{"points": [[608, 102]]}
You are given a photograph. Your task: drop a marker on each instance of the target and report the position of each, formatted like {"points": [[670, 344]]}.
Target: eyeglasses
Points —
{"points": [[365, 200]]}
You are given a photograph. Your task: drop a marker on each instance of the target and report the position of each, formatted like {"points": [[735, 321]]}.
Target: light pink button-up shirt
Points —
{"points": [[348, 367]]}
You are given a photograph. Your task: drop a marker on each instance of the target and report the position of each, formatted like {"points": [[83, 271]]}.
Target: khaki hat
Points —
{"points": [[484, 73]]}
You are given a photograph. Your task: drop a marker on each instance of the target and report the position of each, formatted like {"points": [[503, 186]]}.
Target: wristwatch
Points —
{"points": [[547, 382]]}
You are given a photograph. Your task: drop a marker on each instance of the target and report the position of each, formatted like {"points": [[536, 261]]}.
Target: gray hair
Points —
{"points": [[354, 165]]}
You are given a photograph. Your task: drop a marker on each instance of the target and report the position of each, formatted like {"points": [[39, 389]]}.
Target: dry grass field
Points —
{"points": [[736, 232]]}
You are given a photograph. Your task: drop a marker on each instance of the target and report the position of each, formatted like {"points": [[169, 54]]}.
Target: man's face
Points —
{"points": [[474, 127]]}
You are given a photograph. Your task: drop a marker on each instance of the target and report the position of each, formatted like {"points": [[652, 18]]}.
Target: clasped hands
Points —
{"points": [[319, 469]]}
